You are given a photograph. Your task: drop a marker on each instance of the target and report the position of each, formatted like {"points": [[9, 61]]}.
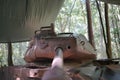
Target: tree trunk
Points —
{"points": [[10, 62], [89, 21]]}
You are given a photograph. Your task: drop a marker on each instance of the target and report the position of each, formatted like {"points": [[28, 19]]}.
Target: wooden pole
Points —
{"points": [[108, 46], [103, 30], [89, 21], [10, 62]]}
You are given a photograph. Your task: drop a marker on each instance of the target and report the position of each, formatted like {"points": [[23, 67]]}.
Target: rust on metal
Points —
{"points": [[45, 41]]}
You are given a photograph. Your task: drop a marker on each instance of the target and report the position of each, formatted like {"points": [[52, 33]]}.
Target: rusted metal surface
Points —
{"points": [[114, 67], [103, 62], [107, 69], [43, 46], [107, 72], [21, 73]]}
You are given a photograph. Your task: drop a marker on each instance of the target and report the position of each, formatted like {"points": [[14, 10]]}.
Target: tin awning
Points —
{"points": [[20, 18]]}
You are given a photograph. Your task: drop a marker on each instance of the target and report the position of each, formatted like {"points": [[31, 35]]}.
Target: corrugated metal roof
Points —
{"points": [[20, 18]]}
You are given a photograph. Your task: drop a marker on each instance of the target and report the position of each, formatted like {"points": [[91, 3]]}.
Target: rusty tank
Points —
{"points": [[43, 45], [41, 51], [76, 51]]}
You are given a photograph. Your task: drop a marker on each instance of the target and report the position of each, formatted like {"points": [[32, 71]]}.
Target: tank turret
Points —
{"points": [[45, 41]]}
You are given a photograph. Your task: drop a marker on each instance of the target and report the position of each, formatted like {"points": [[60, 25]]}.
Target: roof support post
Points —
{"points": [[89, 21], [10, 62], [108, 45]]}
